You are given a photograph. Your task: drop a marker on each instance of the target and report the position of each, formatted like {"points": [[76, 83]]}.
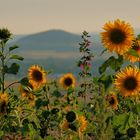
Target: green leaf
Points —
{"points": [[106, 80], [13, 47], [136, 109], [122, 120], [32, 131], [56, 93], [112, 62], [39, 102], [45, 114], [138, 36], [17, 57], [133, 52], [24, 81], [33, 118], [14, 68], [95, 80], [1, 133]]}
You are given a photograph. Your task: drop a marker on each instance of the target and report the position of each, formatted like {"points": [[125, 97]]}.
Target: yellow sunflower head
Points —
{"points": [[135, 47], [36, 76], [67, 81], [118, 36], [128, 81], [3, 102], [112, 100], [82, 123]]}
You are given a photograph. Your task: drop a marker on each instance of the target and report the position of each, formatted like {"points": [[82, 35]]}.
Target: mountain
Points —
{"points": [[55, 49], [57, 40]]}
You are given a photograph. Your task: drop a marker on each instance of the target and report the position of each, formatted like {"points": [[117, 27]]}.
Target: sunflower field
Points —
{"points": [[74, 107]]}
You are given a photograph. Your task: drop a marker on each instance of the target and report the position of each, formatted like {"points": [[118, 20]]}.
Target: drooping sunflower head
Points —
{"points": [[118, 36], [128, 81], [36, 76], [67, 81], [82, 123], [3, 102], [112, 100], [135, 47]]}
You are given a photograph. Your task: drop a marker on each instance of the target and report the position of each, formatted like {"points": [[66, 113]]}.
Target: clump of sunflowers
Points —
{"points": [[74, 107]]}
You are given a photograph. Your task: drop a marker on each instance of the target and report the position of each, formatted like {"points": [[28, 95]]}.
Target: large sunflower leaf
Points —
{"points": [[13, 69], [112, 62], [17, 57], [13, 47], [106, 80]]}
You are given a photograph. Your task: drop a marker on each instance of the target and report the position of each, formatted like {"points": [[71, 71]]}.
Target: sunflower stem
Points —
{"points": [[3, 63], [16, 82]]}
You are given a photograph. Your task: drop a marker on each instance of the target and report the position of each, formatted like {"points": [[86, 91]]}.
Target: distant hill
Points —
{"points": [[55, 49], [57, 40]]}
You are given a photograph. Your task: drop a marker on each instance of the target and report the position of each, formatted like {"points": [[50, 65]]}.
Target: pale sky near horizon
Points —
{"points": [[32, 16]]}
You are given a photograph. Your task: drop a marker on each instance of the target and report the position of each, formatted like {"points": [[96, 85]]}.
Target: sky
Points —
{"points": [[32, 16]]}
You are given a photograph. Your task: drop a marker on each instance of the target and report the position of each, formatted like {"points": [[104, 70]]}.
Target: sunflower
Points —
{"points": [[135, 47], [82, 123], [36, 76], [128, 81], [112, 100], [67, 81], [118, 36], [3, 102]]}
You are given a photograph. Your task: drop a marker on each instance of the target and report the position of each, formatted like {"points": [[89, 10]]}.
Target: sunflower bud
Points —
{"points": [[5, 34]]}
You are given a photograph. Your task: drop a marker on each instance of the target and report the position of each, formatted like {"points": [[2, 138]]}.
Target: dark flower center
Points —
{"points": [[68, 81], [130, 83], [37, 75], [70, 116], [112, 101], [117, 36]]}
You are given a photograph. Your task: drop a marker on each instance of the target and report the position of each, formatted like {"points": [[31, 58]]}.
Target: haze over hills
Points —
{"points": [[55, 49]]}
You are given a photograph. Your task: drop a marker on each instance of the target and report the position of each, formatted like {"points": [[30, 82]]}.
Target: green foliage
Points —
{"points": [[13, 69], [49, 112], [16, 57], [106, 80], [13, 48], [133, 52], [113, 63]]}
